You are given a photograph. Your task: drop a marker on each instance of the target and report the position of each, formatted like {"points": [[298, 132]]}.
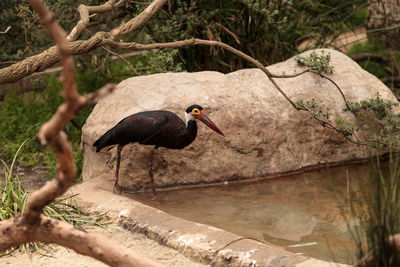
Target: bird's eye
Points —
{"points": [[196, 111]]}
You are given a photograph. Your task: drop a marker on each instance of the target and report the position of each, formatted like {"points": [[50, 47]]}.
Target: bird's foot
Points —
{"points": [[154, 198], [116, 187]]}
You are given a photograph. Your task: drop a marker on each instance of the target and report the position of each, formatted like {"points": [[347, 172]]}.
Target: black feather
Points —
{"points": [[158, 128]]}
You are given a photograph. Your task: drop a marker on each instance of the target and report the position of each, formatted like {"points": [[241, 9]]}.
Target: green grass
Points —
{"points": [[378, 203], [14, 200]]}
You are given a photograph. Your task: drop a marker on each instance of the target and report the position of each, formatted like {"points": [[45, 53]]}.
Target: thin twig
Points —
{"points": [[335, 84], [123, 59], [368, 56], [289, 75], [194, 41], [396, 66], [329, 125], [8, 28]]}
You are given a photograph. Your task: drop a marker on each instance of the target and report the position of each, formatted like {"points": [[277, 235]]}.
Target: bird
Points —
{"points": [[158, 128]]}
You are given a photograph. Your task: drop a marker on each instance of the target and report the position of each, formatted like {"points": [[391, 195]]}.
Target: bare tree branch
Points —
{"points": [[50, 56], [335, 84], [391, 79], [290, 75], [123, 59], [6, 30], [137, 21], [367, 56], [86, 11], [64, 234], [395, 65]]}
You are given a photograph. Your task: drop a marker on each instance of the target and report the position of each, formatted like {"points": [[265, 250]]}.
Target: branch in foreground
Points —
{"points": [[51, 132], [66, 170], [64, 234], [31, 225]]}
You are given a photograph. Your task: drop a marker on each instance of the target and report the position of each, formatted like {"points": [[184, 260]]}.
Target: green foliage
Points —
{"points": [[318, 63], [156, 62], [375, 116], [382, 108], [22, 116], [379, 204], [270, 31], [378, 118], [322, 113], [14, 199], [345, 128], [316, 110], [90, 77]]}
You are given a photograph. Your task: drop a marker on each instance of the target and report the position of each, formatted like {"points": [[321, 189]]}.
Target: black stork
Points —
{"points": [[159, 128]]}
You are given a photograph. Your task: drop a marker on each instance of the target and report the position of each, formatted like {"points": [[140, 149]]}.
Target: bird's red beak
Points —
{"points": [[206, 120]]}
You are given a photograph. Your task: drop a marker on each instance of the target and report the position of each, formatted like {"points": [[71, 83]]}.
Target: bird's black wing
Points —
{"points": [[142, 127]]}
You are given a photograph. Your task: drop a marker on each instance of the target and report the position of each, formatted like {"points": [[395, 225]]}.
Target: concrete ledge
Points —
{"points": [[202, 243]]}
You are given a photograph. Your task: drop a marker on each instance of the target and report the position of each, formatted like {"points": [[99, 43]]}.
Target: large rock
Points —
{"points": [[264, 133]]}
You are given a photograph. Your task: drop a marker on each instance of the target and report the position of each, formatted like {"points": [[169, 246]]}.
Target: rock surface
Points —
{"points": [[264, 133]]}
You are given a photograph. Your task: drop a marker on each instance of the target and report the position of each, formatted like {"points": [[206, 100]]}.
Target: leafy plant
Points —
{"points": [[346, 128], [376, 116], [320, 63], [14, 199], [315, 109]]}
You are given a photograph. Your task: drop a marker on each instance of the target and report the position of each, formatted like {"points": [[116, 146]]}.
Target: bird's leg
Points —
{"points": [[116, 185], [153, 188]]}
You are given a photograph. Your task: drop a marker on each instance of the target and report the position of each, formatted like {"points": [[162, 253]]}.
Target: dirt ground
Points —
{"points": [[138, 243]]}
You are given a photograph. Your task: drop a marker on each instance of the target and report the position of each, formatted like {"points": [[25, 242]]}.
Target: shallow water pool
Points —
{"points": [[303, 213]]}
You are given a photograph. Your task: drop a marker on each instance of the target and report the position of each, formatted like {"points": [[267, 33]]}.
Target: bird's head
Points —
{"points": [[196, 112]]}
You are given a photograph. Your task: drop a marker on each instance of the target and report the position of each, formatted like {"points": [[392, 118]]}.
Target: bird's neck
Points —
{"points": [[191, 130]]}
